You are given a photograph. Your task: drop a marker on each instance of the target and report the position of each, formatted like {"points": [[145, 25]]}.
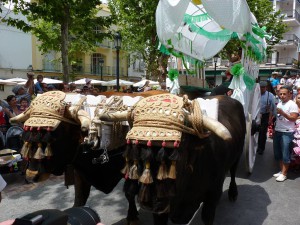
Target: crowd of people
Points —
{"points": [[280, 110]]}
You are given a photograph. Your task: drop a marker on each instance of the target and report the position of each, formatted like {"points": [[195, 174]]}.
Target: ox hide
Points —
{"points": [[64, 142], [203, 165], [200, 170]]}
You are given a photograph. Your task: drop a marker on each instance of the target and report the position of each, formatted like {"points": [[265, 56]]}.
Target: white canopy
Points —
{"points": [[6, 82], [142, 82], [17, 79], [46, 81], [114, 83], [83, 81], [201, 29]]}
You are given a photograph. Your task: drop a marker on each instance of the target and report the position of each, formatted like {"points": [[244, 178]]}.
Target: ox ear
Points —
{"points": [[115, 116], [80, 115]]}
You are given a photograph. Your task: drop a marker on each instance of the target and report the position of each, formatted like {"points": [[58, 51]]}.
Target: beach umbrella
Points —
{"points": [[46, 81], [6, 82], [83, 81], [114, 83], [142, 82], [17, 79]]}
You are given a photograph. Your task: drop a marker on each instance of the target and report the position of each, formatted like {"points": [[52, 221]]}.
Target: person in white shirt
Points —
{"points": [[283, 80], [287, 114]]}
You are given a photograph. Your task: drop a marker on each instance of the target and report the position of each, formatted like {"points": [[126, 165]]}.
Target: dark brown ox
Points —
{"points": [[201, 168]]}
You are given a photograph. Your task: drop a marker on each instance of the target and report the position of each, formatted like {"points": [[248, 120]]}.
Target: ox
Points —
{"points": [[201, 165]]}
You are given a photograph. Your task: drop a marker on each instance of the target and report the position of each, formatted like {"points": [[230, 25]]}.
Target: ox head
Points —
{"points": [[162, 127], [52, 130]]}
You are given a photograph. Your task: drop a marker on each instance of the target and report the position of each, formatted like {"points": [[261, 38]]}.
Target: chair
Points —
{"points": [[13, 139]]}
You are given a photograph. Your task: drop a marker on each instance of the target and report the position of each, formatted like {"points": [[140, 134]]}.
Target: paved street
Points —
{"points": [[261, 199]]}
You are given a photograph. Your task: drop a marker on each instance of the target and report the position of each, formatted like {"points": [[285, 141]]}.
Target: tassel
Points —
{"points": [[161, 155], [162, 189], [39, 154], [134, 153], [133, 171], [145, 196], [47, 137], [146, 177], [125, 170], [127, 150], [29, 151], [172, 171], [48, 151], [24, 149], [26, 134], [147, 153], [162, 171]]}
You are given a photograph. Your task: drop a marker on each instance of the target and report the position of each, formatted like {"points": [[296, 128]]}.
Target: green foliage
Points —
{"points": [[136, 21], [63, 25]]}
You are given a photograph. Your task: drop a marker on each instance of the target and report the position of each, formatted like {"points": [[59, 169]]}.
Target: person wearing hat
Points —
{"points": [[274, 80], [25, 91], [284, 79], [267, 112]]}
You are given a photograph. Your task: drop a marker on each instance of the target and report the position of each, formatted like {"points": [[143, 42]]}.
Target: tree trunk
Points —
{"points": [[65, 44]]}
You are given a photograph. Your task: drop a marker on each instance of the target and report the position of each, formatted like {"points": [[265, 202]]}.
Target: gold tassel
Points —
{"points": [[24, 149], [162, 171], [125, 170], [48, 151], [146, 177], [27, 152], [172, 171], [39, 154], [133, 171]]}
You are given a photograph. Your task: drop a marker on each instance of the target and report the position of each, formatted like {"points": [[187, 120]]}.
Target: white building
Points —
{"points": [[15, 49], [286, 55]]}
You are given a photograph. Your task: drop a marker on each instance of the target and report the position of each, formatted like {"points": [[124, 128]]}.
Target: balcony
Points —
{"points": [[292, 17], [289, 39], [105, 44], [287, 61], [84, 69]]}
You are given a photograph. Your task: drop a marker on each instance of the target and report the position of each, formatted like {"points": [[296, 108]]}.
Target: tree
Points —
{"points": [[266, 17], [136, 22], [67, 26]]}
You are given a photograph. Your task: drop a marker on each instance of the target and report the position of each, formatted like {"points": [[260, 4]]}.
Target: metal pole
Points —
{"points": [[101, 68], [215, 75], [118, 85]]}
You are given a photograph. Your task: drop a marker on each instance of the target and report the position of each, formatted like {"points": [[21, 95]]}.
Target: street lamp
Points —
{"points": [[101, 63], [118, 43], [215, 59]]}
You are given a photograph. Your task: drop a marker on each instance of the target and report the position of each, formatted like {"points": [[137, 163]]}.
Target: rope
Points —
{"points": [[197, 120]]}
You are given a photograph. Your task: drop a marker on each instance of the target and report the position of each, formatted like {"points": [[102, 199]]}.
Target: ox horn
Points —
{"points": [[216, 127], [81, 115], [21, 117], [84, 119]]}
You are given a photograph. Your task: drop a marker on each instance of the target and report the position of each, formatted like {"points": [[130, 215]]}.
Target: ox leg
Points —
{"points": [[233, 192], [210, 204], [131, 189], [82, 189], [160, 219]]}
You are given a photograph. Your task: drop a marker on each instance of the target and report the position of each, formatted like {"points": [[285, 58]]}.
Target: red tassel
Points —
{"points": [[176, 144], [149, 144]]}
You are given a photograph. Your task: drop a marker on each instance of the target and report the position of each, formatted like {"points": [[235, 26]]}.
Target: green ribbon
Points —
{"points": [[196, 19], [260, 31], [237, 70], [249, 81], [173, 74]]}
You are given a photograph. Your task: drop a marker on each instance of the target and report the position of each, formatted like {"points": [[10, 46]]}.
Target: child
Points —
{"points": [[23, 104]]}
